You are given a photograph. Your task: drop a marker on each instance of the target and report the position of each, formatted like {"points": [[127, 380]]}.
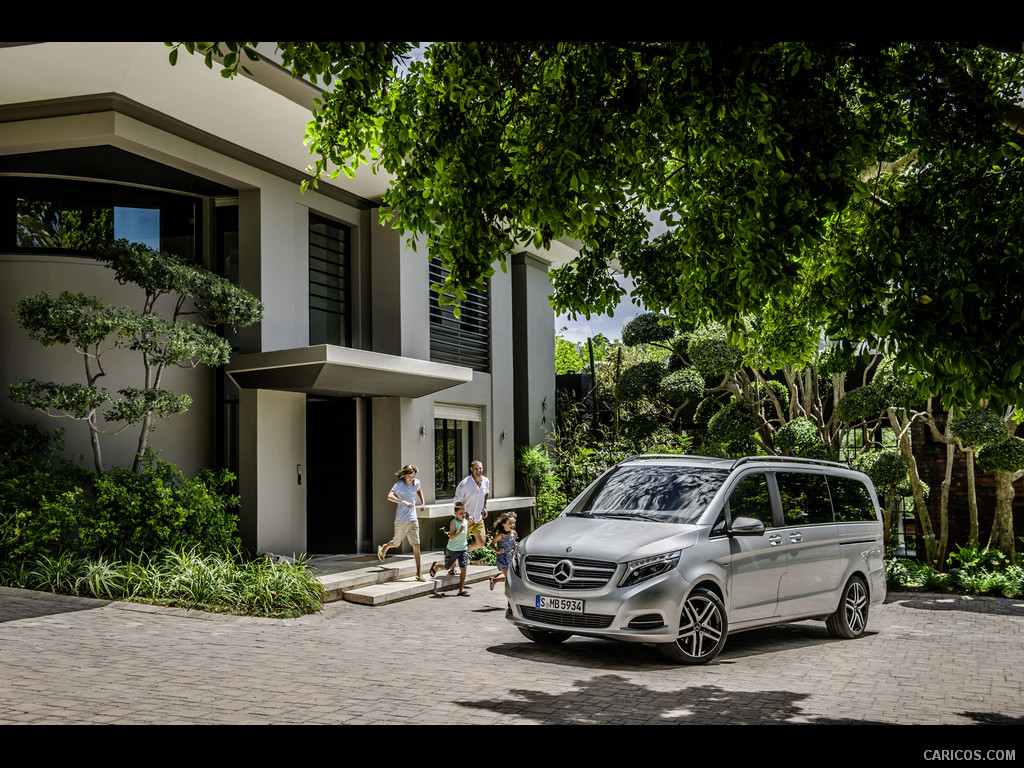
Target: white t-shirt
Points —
{"points": [[473, 496]]}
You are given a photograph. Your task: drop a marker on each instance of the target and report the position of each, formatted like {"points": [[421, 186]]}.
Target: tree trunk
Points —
{"points": [[924, 522], [947, 481], [1001, 537], [972, 500]]}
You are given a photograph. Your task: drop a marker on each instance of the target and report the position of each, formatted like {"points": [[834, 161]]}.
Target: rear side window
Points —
{"points": [[750, 499], [805, 498], [851, 500]]}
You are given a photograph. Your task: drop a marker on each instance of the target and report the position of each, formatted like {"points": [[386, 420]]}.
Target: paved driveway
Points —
{"points": [[926, 660]]}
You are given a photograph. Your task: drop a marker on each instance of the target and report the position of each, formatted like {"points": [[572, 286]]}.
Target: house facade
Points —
{"points": [[355, 369]]}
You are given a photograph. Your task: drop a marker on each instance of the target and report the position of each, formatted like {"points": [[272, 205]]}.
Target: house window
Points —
{"points": [[330, 297], [453, 446], [76, 217], [463, 340]]}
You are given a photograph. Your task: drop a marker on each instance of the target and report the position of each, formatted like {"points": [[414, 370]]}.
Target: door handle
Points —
{"points": [[774, 539], [796, 536]]}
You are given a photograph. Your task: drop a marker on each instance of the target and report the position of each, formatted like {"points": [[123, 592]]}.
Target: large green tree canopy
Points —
{"points": [[876, 189]]}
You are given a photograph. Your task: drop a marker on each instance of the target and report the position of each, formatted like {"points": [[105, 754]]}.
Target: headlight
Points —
{"points": [[516, 557], [648, 567]]}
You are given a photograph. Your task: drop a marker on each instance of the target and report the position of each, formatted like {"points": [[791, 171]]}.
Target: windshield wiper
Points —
{"points": [[629, 516]]}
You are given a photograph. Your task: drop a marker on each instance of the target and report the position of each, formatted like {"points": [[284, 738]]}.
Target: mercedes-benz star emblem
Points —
{"points": [[563, 571]]}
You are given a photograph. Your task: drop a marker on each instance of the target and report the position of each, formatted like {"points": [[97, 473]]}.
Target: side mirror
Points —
{"points": [[746, 526]]}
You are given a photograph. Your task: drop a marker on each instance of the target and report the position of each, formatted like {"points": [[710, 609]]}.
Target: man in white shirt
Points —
{"points": [[473, 492]]}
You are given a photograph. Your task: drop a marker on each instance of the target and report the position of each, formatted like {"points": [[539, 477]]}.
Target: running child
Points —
{"points": [[456, 552], [504, 543]]}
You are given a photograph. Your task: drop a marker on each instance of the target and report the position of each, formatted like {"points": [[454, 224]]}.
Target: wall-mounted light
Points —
{"points": [[423, 431], [504, 435]]}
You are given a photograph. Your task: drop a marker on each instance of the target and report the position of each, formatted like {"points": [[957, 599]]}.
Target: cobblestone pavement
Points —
{"points": [[927, 659]]}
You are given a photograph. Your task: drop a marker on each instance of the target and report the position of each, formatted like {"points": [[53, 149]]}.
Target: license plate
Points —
{"points": [[565, 604]]}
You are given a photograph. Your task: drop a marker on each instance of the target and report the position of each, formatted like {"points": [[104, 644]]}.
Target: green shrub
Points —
{"points": [[797, 435], [711, 353], [859, 404], [641, 381], [1007, 456], [186, 578], [159, 509], [733, 424], [682, 385], [979, 427], [897, 574], [707, 408], [59, 574], [41, 495], [483, 556], [645, 329]]}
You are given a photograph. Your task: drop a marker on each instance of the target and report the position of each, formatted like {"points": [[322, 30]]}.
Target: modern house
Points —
{"points": [[355, 369]]}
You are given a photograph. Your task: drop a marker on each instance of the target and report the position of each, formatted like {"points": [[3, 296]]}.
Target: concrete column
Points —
{"points": [[533, 349], [272, 448]]}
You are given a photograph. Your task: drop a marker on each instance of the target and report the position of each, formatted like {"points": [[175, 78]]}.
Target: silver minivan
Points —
{"points": [[680, 551]]}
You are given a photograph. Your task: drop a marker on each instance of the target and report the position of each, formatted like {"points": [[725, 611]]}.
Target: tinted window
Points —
{"points": [[750, 499], [805, 498], [667, 494], [851, 500]]}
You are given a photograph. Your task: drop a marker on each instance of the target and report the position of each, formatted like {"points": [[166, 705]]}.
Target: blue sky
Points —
{"points": [[579, 330]]}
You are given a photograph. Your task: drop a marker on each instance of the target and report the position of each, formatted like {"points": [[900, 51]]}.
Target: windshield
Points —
{"points": [[659, 493]]}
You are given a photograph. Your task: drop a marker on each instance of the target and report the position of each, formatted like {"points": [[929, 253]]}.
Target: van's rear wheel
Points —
{"points": [[851, 617], [702, 629], [544, 636]]}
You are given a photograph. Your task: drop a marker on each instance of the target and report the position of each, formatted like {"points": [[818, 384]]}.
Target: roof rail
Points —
{"points": [[821, 462], [671, 456]]}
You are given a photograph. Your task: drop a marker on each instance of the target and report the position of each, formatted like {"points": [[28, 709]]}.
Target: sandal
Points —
{"points": [[464, 594], [492, 583], [433, 569], [420, 577], [380, 553]]}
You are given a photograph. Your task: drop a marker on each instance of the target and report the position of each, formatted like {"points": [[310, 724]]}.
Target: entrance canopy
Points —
{"points": [[343, 372]]}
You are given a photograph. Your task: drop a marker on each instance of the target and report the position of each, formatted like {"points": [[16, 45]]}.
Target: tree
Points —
{"points": [[93, 327], [877, 186], [568, 358]]}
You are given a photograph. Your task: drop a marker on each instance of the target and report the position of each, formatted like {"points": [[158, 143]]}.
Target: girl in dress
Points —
{"points": [[504, 543]]}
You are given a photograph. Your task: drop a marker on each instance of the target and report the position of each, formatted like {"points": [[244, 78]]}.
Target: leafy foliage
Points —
{"points": [[891, 210], [859, 404], [647, 328], [1006, 456], [711, 352], [49, 505], [978, 427], [798, 436], [885, 466], [734, 423], [179, 577]]}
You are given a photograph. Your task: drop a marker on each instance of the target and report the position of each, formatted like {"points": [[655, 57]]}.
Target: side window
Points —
{"points": [[805, 499], [851, 500], [750, 499]]}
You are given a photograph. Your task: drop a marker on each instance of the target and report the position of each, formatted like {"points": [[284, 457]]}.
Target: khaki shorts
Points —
{"points": [[477, 527], [407, 530]]}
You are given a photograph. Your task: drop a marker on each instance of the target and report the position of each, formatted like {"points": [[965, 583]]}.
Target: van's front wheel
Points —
{"points": [[702, 629]]}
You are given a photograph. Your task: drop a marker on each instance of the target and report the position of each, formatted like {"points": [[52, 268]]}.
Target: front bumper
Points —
{"points": [[642, 613]]}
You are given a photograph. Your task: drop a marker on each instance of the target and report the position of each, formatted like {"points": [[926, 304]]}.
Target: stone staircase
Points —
{"points": [[364, 579]]}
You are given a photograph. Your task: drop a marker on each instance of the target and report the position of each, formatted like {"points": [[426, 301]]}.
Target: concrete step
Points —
{"points": [[364, 579], [408, 588]]}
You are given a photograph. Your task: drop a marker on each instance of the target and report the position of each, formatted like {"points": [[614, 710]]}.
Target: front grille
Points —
{"points": [[585, 574], [588, 621]]}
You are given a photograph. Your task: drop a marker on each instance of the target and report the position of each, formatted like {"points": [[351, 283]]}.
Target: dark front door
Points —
{"points": [[330, 476]]}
